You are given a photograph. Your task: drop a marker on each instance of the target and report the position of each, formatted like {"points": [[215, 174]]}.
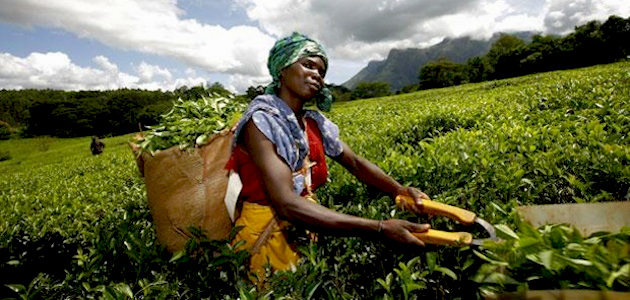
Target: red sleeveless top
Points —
{"points": [[251, 176]]}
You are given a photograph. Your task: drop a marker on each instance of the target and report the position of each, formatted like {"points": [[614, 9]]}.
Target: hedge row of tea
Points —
{"points": [[75, 225]]}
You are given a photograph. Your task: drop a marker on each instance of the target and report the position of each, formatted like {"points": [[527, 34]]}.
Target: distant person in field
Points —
{"points": [[279, 153], [97, 145]]}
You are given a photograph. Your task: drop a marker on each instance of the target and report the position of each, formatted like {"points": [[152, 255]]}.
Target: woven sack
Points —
{"points": [[187, 188]]}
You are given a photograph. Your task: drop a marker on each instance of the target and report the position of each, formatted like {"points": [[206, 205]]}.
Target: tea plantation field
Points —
{"points": [[76, 226]]}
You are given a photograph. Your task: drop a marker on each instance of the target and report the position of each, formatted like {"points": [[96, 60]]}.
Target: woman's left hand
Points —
{"points": [[417, 196]]}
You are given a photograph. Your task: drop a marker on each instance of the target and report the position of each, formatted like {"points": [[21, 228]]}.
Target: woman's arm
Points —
{"points": [[372, 175], [278, 184]]}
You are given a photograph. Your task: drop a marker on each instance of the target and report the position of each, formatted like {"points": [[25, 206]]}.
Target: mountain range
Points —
{"points": [[402, 66]]}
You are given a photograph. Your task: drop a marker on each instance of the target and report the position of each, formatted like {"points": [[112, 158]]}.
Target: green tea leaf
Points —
{"points": [[18, 288], [447, 272], [492, 261], [623, 271], [546, 259], [505, 232]]}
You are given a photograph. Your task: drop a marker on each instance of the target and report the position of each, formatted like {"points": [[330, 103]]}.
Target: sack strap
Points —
{"points": [[307, 165], [264, 236]]}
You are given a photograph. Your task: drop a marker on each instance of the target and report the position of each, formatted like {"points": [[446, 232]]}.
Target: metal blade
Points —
{"points": [[488, 227]]}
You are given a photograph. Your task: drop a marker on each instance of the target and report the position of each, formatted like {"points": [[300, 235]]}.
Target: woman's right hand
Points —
{"points": [[401, 231]]}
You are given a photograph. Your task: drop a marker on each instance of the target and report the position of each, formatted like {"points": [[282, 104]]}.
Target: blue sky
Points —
{"points": [[163, 44]]}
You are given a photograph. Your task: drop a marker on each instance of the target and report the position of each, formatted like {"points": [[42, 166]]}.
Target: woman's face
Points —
{"points": [[304, 78]]}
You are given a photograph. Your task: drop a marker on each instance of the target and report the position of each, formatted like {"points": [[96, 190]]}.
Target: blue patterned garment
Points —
{"points": [[275, 119]]}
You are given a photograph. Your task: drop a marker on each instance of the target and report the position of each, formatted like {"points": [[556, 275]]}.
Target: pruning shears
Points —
{"points": [[438, 237]]}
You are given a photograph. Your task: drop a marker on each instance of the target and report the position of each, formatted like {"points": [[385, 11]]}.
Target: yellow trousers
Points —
{"points": [[276, 251]]}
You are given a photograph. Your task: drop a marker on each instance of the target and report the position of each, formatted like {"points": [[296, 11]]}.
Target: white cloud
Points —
{"points": [[241, 83], [150, 26], [150, 73], [104, 63], [365, 29], [55, 70], [353, 32], [481, 22], [45, 70], [561, 16], [353, 29]]}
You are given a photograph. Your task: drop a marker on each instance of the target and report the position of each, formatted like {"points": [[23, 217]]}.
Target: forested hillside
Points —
{"points": [[401, 66], [463, 60]]}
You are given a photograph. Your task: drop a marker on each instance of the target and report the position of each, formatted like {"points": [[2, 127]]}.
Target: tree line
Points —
{"points": [[589, 44], [29, 113]]}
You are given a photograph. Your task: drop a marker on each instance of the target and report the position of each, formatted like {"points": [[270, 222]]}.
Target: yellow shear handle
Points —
{"points": [[465, 217], [444, 238]]}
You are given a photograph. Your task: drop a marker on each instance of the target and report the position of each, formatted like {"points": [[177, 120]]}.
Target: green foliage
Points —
{"points": [[590, 44], [442, 73], [7, 131], [13, 113], [192, 122], [44, 142], [410, 88], [504, 47], [340, 93], [5, 155], [196, 92], [366, 90], [406, 278], [77, 226], [555, 257], [83, 113], [252, 92]]}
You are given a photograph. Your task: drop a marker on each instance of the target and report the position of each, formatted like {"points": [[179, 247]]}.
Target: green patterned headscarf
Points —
{"points": [[290, 49]]}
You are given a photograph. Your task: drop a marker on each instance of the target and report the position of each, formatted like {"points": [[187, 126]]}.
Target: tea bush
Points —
{"points": [[555, 257], [75, 225], [5, 155]]}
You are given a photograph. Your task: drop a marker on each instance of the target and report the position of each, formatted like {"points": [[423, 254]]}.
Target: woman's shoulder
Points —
{"points": [[265, 103], [269, 117]]}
